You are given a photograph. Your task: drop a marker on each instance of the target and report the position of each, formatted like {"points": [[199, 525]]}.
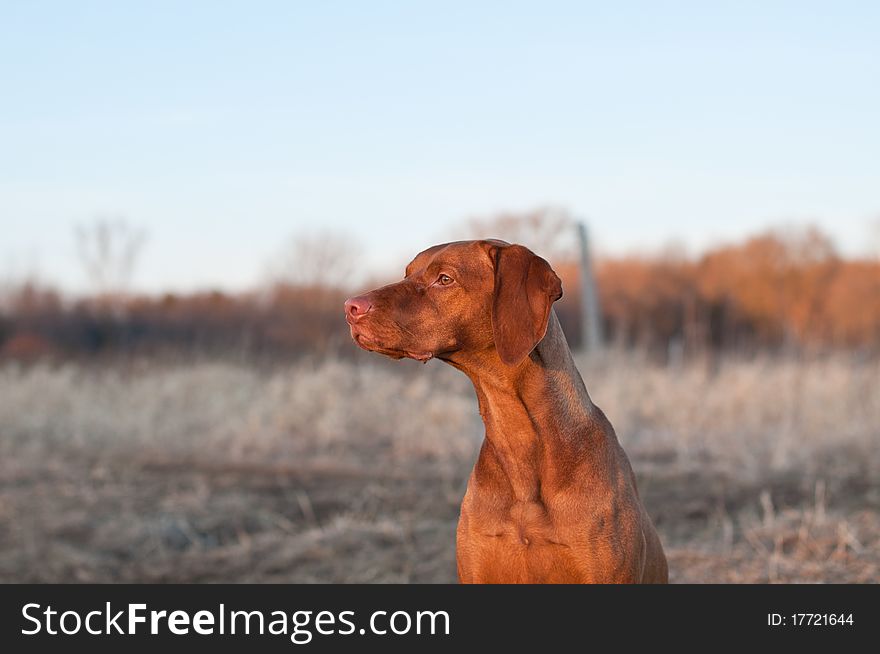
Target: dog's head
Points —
{"points": [[461, 297]]}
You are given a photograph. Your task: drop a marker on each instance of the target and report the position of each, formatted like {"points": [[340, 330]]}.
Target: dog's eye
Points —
{"points": [[444, 280]]}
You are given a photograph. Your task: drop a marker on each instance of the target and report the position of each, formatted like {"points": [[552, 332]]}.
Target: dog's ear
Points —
{"points": [[525, 289]]}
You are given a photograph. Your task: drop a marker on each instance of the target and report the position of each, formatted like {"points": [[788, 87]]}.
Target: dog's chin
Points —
{"points": [[370, 345]]}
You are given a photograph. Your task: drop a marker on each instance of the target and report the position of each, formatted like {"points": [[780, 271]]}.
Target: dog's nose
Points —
{"points": [[357, 307]]}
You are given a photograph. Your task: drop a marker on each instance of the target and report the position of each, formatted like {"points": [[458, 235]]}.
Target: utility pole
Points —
{"points": [[592, 339]]}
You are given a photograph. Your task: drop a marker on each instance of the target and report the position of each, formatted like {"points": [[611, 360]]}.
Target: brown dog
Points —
{"points": [[552, 497]]}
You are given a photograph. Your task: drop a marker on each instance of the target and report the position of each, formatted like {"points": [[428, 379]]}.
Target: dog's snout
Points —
{"points": [[357, 307]]}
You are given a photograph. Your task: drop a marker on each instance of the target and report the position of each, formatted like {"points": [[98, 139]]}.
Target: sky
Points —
{"points": [[222, 129]]}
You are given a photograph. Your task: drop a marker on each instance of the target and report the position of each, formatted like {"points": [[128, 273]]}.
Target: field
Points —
{"points": [[764, 470]]}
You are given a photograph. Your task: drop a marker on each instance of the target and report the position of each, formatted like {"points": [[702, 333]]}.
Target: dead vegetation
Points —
{"points": [[336, 471]]}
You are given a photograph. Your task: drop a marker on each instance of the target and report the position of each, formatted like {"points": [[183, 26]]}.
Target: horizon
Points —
{"points": [[273, 272]]}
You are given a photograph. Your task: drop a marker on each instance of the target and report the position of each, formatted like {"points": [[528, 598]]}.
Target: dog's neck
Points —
{"points": [[528, 436]]}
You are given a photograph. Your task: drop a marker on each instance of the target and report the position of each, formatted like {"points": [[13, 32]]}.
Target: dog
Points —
{"points": [[552, 497]]}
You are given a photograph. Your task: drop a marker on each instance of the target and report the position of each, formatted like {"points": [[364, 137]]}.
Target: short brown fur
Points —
{"points": [[552, 497]]}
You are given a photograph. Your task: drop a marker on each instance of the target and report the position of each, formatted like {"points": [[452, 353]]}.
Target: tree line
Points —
{"points": [[783, 290]]}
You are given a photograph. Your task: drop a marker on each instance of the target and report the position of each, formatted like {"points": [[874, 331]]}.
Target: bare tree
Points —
{"points": [[316, 259], [18, 272], [108, 249], [548, 231]]}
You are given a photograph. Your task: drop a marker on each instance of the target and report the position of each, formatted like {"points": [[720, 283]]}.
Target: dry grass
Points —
{"points": [[754, 471]]}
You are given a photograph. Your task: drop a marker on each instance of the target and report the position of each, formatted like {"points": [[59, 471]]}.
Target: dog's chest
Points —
{"points": [[523, 547], [523, 524]]}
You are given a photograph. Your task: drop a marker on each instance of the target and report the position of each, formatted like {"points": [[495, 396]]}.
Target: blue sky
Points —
{"points": [[223, 128]]}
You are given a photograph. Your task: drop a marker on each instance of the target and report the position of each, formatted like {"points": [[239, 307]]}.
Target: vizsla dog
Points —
{"points": [[552, 497]]}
